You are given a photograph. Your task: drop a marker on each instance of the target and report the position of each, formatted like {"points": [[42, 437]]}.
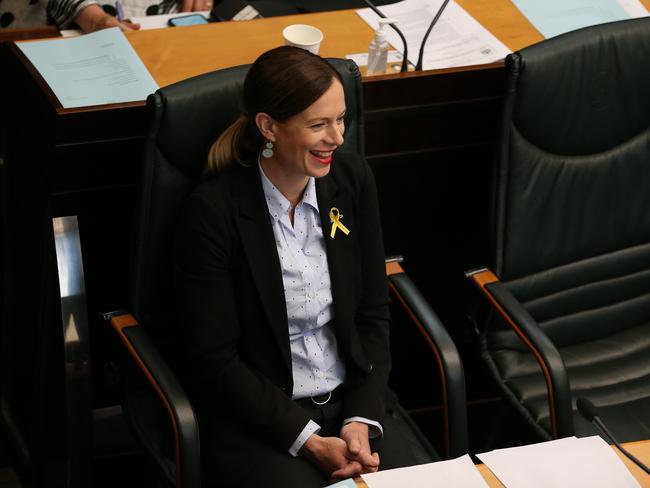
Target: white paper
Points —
{"points": [[455, 473], [94, 69], [456, 40], [564, 463]]}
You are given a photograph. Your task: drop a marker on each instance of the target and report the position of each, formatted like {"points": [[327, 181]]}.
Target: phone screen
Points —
{"points": [[192, 19]]}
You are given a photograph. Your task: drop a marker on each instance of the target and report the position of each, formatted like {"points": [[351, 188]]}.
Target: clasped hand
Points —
{"points": [[345, 456]]}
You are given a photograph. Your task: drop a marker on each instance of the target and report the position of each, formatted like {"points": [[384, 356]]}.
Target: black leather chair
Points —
{"points": [[307, 6], [570, 291], [185, 120]]}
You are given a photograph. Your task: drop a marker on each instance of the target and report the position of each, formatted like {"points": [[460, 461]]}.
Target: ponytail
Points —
{"points": [[226, 148]]}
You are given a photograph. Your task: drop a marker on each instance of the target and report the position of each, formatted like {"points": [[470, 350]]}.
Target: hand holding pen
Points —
{"points": [[119, 12], [124, 24]]}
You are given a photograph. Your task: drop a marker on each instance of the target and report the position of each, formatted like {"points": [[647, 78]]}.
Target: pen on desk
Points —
{"points": [[119, 11]]}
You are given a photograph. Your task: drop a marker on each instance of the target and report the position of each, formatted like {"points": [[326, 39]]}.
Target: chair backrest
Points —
{"points": [[186, 118], [572, 207]]}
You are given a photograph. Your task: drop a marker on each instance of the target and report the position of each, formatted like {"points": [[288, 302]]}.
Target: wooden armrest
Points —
{"points": [[450, 366], [545, 352], [170, 392]]}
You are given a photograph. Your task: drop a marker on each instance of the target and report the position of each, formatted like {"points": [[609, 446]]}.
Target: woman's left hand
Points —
{"points": [[355, 435]]}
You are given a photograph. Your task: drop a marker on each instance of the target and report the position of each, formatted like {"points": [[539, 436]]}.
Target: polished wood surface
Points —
{"points": [[175, 54], [41, 32], [641, 450]]}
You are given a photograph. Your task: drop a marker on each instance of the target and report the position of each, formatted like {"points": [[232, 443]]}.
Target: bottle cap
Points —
{"points": [[380, 36]]}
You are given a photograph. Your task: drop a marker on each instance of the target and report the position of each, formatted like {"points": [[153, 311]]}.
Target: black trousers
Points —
{"points": [[272, 468]]}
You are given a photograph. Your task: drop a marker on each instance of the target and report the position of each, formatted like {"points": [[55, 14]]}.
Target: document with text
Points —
{"points": [[94, 69], [554, 17], [456, 40]]}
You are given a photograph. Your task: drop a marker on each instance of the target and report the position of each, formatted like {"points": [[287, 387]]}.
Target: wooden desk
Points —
{"points": [[641, 450], [175, 54]]}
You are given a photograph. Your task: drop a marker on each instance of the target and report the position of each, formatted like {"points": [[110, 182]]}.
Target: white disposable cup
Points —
{"points": [[304, 36]]}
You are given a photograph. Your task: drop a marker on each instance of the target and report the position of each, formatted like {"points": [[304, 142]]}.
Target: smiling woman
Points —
{"points": [[281, 285]]}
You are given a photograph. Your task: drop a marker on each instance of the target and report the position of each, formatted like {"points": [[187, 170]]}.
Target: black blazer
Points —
{"points": [[232, 306]]}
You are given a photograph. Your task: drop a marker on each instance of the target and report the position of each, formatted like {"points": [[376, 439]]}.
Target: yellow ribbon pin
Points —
{"points": [[335, 218]]}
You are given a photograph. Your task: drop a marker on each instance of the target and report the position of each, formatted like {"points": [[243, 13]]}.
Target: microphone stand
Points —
{"points": [[405, 61], [418, 66], [589, 412], [599, 423]]}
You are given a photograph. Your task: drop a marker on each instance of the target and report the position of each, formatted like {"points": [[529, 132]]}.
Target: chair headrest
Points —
{"points": [[187, 117]]}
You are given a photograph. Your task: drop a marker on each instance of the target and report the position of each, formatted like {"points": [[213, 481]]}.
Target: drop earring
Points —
{"points": [[267, 152]]}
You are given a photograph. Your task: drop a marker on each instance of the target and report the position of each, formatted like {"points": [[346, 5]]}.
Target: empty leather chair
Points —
{"points": [[570, 282]]}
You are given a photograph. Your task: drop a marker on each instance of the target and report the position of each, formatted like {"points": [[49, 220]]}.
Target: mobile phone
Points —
{"points": [[191, 19]]}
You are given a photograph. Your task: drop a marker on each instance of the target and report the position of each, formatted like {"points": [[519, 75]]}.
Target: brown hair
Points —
{"points": [[282, 82]]}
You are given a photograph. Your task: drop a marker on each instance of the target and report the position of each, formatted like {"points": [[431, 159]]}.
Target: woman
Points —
{"points": [[279, 268]]}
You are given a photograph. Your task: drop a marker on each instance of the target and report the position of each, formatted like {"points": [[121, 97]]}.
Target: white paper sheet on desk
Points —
{"points": [[456, 40], [563, 463], [94, 69], [147, 22], [455, 473]]}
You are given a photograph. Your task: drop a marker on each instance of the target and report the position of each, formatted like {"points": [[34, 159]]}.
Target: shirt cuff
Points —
{"points": [[311, 428], [374, 428]]}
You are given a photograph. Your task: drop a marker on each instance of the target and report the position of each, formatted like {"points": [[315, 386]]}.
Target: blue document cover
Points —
{"points": [[554, 17], [93, 69]]}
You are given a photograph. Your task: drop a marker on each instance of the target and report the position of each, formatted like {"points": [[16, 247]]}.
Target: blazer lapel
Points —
{"points": [[340, 254], [259, 244]]}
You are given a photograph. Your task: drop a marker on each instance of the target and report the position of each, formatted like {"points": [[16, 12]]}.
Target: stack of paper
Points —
{"points": [[456, 473], [564, 463], [94, 69], [456, 40]]}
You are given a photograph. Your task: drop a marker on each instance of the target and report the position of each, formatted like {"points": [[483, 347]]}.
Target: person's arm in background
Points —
{"points": [[195, 5], [87, 14]]}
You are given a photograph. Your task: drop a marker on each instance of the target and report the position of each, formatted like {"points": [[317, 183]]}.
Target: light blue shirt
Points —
{"points": [[316, 365]]}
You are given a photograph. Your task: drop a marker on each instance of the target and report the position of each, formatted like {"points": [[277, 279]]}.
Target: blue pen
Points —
{"points": [[118, 9]]}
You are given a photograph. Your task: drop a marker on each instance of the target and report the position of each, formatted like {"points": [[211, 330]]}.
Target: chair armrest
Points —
{"points": [[452, 376], [171, 394], [547, 355]]}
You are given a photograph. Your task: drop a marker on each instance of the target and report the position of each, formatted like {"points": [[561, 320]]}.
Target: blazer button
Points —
{"points": [[368, 367]]}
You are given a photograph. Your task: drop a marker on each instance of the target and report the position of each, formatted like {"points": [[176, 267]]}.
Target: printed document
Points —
{"points": [[94, 69], [563, 463], [554, 17], [455, 473], [456, 40]]}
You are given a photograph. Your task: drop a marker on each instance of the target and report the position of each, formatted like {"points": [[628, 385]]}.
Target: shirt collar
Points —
{"points": [[277, 203]]}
